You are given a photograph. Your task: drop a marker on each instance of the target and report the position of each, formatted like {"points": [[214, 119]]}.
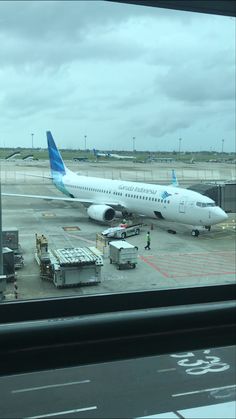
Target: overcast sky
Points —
{"points": [[113, 72]]}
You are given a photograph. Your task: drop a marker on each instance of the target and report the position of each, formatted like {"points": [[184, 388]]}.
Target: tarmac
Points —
{"points": [[175, 260], [199, 384]]}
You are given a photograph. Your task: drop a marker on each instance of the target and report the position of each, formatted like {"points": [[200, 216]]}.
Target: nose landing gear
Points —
{"points": [[195, 233]]}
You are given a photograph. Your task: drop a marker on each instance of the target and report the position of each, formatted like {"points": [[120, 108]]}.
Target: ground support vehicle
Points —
{"points": [[18, 260], [68, 267], [122, 231], [123, 254]]}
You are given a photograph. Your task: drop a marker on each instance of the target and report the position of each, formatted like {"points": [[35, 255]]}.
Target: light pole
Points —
{"points": [[32, 135], [222, 150], [1, 255], [85, 142], [180, 139], [133, 144]]}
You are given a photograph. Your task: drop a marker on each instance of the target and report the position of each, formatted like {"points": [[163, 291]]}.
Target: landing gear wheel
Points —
{"points": [[195, 233], [208, 228]]}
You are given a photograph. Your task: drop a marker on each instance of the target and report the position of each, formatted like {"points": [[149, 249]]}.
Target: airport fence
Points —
{"points": [[33, 175]]}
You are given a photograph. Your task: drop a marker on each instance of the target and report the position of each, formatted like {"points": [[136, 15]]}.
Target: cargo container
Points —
{"points": [[76, 266], [123, 254], [68, 267]]}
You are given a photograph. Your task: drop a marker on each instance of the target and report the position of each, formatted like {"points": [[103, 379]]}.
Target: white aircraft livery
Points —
{"points": [[112, 155], [103, 197]]}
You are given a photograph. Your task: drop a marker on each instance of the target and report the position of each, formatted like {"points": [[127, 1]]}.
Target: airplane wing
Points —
{"points": [[33, 175], [42, 176], [48, 198], [86, 202]]}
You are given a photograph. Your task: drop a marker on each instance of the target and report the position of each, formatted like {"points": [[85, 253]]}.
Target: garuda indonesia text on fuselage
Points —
{"points": [[103, 197]]}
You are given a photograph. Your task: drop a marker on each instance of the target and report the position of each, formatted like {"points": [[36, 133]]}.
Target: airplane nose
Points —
{"points": [[221, 215]]}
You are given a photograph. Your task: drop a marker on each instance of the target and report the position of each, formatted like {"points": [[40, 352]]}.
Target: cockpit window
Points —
{"points": [[205, 204]]}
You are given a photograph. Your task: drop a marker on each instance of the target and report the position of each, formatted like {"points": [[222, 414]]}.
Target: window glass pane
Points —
{"points": [[138, 102]]}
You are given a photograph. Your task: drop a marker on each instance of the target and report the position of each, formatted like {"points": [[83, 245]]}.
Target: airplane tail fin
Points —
{"points": [[56, 163], [95, 152], [174, 179]]}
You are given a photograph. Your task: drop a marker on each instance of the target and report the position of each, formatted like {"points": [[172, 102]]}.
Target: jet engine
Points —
{"points": [[101, 212]]}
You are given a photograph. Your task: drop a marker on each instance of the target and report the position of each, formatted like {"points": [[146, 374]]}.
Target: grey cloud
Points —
{"points": [[54, 53], [177, 54], [68, 19], [115, 71], [65, 19], [175, 117], [167, 123], [55, 33], [33, 99], [131, 99], [198, 84]]}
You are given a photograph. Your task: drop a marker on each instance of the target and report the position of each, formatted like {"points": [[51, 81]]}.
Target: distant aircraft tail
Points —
{"points": [[95, 152], [56, 163], [174, 178]]}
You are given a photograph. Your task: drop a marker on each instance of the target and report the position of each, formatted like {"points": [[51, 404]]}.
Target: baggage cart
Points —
{"points": [[123, 254]]}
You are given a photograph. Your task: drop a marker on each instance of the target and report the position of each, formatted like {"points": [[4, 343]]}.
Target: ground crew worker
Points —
{"points": [[148, 241]]}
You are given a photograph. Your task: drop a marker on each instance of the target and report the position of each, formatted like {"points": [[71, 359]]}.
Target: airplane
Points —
{"points": [[12, 156], [98, 154], [112, 155], [103, 197], [29, 157]]}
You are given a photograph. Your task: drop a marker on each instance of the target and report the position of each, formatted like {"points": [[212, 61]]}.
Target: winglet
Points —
{"points": [[56, 161], [174, 179]]}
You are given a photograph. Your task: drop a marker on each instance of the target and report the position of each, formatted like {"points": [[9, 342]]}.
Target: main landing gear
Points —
{"points": [[126, 214], [196, 232]]}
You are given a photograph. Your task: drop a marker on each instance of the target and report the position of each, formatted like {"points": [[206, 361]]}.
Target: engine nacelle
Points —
{"points": [[101, 212]]}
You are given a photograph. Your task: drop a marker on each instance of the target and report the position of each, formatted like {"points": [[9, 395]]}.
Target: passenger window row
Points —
{"points": [[93, 189], [120, 194], [147, 198]]}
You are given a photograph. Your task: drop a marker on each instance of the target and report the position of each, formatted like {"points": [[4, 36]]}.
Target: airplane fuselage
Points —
{"points": [[155, 201]]}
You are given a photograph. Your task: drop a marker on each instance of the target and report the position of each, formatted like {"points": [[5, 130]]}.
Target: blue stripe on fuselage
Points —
{"points": [[58, 182]]}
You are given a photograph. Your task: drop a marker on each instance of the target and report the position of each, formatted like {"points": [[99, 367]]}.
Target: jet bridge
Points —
{"points": [[223, 193]]}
